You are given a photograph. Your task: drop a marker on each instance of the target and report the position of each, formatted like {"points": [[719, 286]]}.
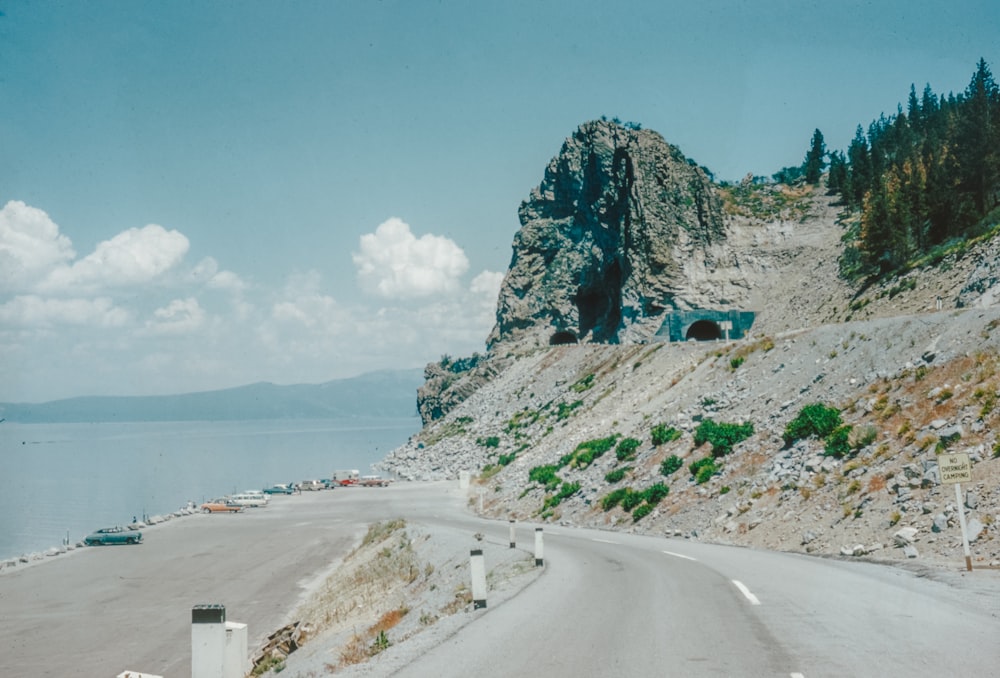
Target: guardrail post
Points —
{"points": [[478, 567], [512, 540], [538, 547]]}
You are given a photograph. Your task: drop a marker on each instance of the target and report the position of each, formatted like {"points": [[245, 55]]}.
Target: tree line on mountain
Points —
{"points": [[917, 180]]}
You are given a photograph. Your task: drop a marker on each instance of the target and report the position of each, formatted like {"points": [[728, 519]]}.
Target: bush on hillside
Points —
{"points": [[661, 433], [670, 465], [626, 449], [815, 419], [722, 436]]}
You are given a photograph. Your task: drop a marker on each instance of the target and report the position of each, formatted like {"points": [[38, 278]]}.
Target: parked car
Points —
{"points": [[249, 498], [373, 481], [220, 506], [280, 488], [113, 535], [310, 485]]}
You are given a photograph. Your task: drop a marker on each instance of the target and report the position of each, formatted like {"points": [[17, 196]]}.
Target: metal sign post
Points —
{"points": [[957, 469]]}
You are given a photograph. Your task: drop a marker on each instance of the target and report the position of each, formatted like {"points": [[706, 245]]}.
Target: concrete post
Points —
{"points": [[513, 542], [237, 660], [208, 641], [478, 567], [538, 547]]}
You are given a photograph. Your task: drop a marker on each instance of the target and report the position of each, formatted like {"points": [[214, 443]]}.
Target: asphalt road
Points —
{"points": [[615, 604], [608, 604]]}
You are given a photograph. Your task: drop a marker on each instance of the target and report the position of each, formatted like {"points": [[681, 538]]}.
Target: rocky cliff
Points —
{"points": [[621, 228]]}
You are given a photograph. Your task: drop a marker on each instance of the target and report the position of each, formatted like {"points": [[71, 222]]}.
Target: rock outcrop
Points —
{"points": [[620, 230]]}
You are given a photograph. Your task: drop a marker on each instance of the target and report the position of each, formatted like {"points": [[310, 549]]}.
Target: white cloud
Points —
{"points": [[180, 316], [395, 264], [227, 280], [31, 311], [207, 272], [487, 285], [132, 257], [131, 318], [30, 246]]}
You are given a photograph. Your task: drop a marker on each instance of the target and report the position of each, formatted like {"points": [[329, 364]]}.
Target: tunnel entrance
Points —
{"points": [[560, 338], [704, 330]]}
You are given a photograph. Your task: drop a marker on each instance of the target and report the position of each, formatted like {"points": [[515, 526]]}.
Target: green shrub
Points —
{"points": [[703, 469], [655, 493], [506, 459], [491, 441], [661, 433], [815, 419], [521, 420], [641, 512], [838, 443], [589, 450], [616, 475], [722, 436], [669, 465], [613, 498], [584, 384], [725, 489], [567, 490], [632, 499], [545, 476], [626, 449], [945, 442], [734, 363], [565, 410]]}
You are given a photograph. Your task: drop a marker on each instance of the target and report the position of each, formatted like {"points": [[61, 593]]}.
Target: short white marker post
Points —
{"points": [[513, 543], [478, 567], [538, 547]]}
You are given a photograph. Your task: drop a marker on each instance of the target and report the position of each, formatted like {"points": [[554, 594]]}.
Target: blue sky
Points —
{"points": [[196, 195]]}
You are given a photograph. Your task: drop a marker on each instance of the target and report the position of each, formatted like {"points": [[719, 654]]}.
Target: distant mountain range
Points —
{"points": [[386, 393]]}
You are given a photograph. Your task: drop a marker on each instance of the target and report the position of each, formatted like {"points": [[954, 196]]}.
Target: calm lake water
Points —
{"points": [[70, 479]]}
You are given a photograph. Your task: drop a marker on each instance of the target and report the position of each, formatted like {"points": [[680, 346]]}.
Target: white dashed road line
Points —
{"points": [[680, 555], [604, 541], [746, 592]]}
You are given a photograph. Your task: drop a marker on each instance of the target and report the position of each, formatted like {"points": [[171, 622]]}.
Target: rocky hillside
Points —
{"points": [[604, 433], [910, 387]]}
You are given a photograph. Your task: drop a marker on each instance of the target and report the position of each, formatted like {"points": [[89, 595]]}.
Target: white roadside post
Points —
{"points": [[478, 567], [538, 547], [957, 469], [513, 543]]}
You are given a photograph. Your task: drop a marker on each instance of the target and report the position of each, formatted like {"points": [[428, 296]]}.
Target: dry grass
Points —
{"points": [[876, 483]]}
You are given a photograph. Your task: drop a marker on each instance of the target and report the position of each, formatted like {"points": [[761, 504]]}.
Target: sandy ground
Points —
{"points": [[98, 611]]}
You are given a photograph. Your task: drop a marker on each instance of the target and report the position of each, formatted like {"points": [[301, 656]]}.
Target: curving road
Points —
{"points": [[608, 604]]}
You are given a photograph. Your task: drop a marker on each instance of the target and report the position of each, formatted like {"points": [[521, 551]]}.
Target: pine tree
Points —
{"points": [[815, 160], [837, 181], [977, 137]]}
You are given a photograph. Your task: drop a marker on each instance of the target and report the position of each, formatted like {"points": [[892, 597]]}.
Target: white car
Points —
{"points": [[310, 485], [249, 498]]}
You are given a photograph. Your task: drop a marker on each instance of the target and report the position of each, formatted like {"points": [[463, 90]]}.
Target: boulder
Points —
{"points": [[905, 535]]}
